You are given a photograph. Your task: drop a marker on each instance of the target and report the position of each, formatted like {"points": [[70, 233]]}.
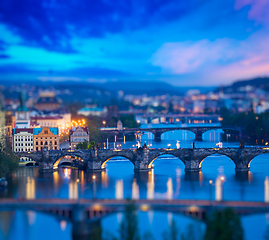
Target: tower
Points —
{"points": [[22, 114]]}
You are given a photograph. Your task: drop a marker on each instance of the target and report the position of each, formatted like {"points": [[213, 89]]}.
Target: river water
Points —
{"points": [[166, 181]]}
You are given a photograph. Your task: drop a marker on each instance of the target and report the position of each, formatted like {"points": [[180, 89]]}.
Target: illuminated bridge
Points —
{"points": [[157, 132], [143, 158]]}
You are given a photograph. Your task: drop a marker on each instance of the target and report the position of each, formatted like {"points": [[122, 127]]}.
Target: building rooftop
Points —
{"points": [[19, 130], [36, 131]]}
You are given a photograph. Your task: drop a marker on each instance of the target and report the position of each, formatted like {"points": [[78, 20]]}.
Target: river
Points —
{"points": [[166, 181]]}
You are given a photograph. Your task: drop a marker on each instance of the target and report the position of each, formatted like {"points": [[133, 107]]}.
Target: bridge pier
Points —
{"points": [[45, 166], [95, 166], [199, 136], [157, 137], [192, 166], [142, 160]]}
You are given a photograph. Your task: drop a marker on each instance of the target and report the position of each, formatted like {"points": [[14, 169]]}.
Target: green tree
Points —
{"points": [[129, 225], [82, 145], [9, 162], [91, 144], [224, 225]]}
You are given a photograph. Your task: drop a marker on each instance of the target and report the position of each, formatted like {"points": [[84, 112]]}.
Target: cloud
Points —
{"points": [[222, 60], [51, 24], [4, 56], [258, 10]]}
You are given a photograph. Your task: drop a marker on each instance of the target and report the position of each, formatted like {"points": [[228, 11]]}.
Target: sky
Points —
{"points": [[181, 42]]}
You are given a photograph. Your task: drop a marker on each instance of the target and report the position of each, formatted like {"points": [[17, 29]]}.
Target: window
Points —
{"points": [[41, 143], [36, 143], [46, 143], [55, 148], [36, 148], [46, 132], [55, 143]]}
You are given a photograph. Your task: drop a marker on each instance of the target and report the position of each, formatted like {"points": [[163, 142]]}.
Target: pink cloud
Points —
{"points": [[258, 10], [221, 60]]}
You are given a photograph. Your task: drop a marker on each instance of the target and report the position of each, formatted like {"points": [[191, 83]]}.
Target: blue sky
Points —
{"points": [[188, 43]]}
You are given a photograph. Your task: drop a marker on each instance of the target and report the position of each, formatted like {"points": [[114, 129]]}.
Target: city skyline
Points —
{"points": [[181, 43]]}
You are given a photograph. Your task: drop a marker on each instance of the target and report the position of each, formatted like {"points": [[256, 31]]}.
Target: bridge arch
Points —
{"points": [[256, 157], [215, 132], [184, 134], [103, 162], [68, 158], [150, 163], [216, 154]]}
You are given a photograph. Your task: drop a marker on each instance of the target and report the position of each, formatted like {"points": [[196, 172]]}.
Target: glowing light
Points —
{"points": [[210, 182], [93, 177], [144, 207]]}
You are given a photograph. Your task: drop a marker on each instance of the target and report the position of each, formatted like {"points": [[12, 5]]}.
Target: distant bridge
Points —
{"points": [[177, 118], [157, 132], [143, 158], [83, 211]]}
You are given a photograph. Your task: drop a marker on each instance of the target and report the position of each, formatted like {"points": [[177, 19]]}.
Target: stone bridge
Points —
{"points": [[143, 158], [157, 132]]}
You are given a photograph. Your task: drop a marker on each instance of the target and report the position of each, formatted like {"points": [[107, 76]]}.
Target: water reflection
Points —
{"points": [[135, 190], [104, 179], [31, 215], [266, 189], [30, 188], [150, 185], [63, 224], [119, 189], [73, 190], [169, 192], [219, 188]]}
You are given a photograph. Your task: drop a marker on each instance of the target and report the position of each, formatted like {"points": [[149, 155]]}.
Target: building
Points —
{"points": [[10, 125], [46, 137], [22, 139], [47, 101], [22, 115], [77, 135], [47, 121], [2, 125], [60, 121]]}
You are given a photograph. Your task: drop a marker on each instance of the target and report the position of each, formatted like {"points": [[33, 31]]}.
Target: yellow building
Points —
{"points": [[46, 138]]}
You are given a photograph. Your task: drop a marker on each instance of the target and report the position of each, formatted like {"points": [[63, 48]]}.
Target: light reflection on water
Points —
{"points": [[167, 180]]}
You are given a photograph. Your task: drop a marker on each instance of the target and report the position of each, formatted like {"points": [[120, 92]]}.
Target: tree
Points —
{"points": [[82, 145], [129, 225], [224, 225], [8, 162]]}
